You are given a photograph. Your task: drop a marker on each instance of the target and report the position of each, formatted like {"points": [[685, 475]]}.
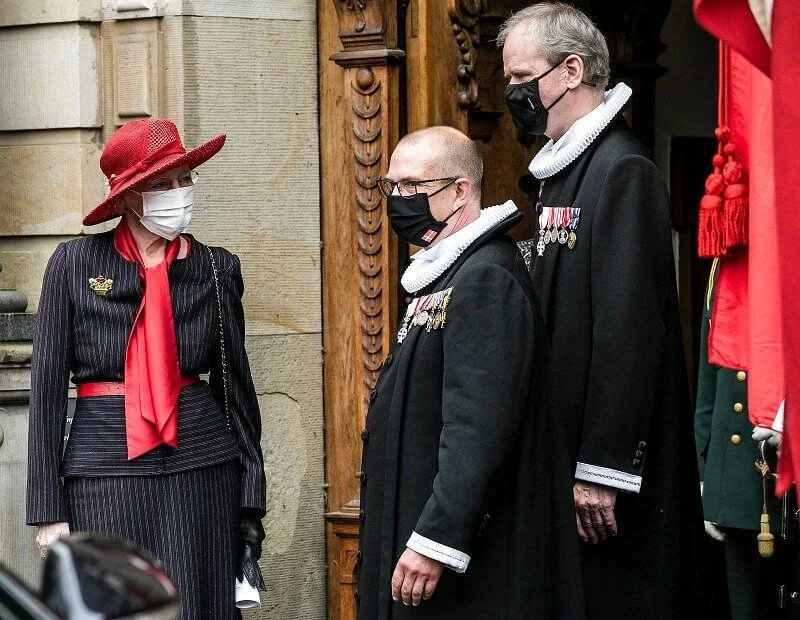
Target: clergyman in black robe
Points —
{"points": [[466, 508], [604, 272]]}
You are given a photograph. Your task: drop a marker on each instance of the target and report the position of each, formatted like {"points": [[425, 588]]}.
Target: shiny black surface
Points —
{"points": [[99, 577]]}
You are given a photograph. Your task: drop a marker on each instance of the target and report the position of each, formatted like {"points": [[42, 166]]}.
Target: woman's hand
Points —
{"points": [[48, 533], [251, 535]]}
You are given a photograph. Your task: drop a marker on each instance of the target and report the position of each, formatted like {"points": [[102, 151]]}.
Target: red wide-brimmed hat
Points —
{"points": [[139, 151]]}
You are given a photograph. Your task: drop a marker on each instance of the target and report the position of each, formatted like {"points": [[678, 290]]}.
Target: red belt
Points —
{"points": [[117, 388]]}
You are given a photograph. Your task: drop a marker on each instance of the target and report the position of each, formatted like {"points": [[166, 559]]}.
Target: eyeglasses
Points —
{"points": [[159, 186], [410, 188]]}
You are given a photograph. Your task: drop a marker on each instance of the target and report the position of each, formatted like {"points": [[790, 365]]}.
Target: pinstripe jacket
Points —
{"points": [[86, 334]]}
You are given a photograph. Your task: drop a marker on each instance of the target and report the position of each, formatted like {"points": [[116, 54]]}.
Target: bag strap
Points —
{"points": [[221, 339]]}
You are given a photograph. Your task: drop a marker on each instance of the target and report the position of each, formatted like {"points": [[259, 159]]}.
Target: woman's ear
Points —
{"points": [[133, 203], [574, 66]]}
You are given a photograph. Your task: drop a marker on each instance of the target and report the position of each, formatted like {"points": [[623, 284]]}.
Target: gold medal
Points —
{"points": [[573, 239]]}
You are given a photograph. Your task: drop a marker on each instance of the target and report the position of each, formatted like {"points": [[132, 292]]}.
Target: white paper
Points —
{"points": [[247, 596]]}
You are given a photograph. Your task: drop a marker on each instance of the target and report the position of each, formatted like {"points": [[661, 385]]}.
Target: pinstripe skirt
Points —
{"points": [[189, 520]]}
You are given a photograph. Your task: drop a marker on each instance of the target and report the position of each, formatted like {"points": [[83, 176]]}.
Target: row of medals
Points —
{"points": [[432, 320], [553, 235]]}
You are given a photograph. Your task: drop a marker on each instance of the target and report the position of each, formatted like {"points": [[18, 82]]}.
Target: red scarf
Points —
{"points": [[152, 373]]}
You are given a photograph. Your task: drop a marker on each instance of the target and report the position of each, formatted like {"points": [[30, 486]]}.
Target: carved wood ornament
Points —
{"points": [[465, 16], [365, 98]]}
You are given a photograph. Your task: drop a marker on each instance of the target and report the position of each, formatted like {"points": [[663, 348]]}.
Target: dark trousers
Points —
{"points": [[753, 581]]}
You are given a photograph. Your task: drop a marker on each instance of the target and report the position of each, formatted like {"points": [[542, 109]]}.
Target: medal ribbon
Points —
{"points": [[576, 217]]}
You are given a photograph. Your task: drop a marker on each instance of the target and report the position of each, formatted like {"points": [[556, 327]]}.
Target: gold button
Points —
{"points": [[736, 440], [738, 407], [741, 375]]}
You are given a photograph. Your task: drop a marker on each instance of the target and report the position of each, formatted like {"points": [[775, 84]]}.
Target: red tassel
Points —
{"points": [[709, 227], [735, 216], [736, 201]]}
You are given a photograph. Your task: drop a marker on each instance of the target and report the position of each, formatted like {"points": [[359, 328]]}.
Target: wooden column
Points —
{"points": [[359, 127]]}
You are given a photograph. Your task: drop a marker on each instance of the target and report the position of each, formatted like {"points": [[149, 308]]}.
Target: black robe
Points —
{"points": [[617, 373], [457, 449]]}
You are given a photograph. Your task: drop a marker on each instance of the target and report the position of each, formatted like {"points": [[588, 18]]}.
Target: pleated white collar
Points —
{"points": [[428, 265], [555, 156]]}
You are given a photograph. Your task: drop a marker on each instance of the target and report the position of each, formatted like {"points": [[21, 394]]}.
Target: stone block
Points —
{"points": [[50, 77], [47, 187], [132, 72], [17, 327], [295, 10], [288, 377], [256, 81], [271, 9], [24, 261], [29, 12]]}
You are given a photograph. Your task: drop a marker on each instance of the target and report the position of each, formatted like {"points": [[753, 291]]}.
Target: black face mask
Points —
{"points": [[526, 105], [412, 220]]}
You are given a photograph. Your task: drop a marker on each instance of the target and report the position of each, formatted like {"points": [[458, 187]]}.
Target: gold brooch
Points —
{"points": [[101, 285]]}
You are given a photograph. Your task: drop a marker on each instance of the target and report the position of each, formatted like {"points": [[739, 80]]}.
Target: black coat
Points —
{"points": [[458, 449], [617, 373]]}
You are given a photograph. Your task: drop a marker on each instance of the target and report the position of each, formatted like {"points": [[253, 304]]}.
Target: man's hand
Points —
{"points": [[48, 533], [415, 578], [594, 511]]}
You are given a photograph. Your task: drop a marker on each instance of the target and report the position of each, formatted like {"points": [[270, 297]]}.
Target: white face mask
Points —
{"points": [[167, 214]]}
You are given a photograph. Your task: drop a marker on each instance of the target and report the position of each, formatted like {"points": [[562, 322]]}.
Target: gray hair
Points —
{"points": [[558, 30]]}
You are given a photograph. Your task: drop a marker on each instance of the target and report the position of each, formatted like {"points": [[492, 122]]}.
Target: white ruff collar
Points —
{"points": [[428, 264], [555, 156]]}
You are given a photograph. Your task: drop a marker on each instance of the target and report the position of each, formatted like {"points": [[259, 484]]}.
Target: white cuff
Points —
{"points": [[608, 477], [452, 558], [777, 423]]}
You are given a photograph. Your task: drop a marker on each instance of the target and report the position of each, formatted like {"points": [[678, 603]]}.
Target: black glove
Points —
{"points": [[251, 533]]}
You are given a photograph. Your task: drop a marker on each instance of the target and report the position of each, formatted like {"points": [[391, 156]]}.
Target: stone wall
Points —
{"points": [[71, 72]]}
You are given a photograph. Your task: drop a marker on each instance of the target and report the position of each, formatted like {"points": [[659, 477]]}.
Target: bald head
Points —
{"points": [[446, 152]]}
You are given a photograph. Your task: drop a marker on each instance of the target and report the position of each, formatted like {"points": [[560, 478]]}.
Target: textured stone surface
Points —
{"points": [[17, 326], [266, 9], [133, 72], [287, 372], [54, 75], [263, 9], [12, 301], [24, 261], [256, 80], [47, 187], [25, 12], [16, 353]]}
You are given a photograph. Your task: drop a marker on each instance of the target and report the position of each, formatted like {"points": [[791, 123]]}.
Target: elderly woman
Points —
{"points": [[155, 454]]}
